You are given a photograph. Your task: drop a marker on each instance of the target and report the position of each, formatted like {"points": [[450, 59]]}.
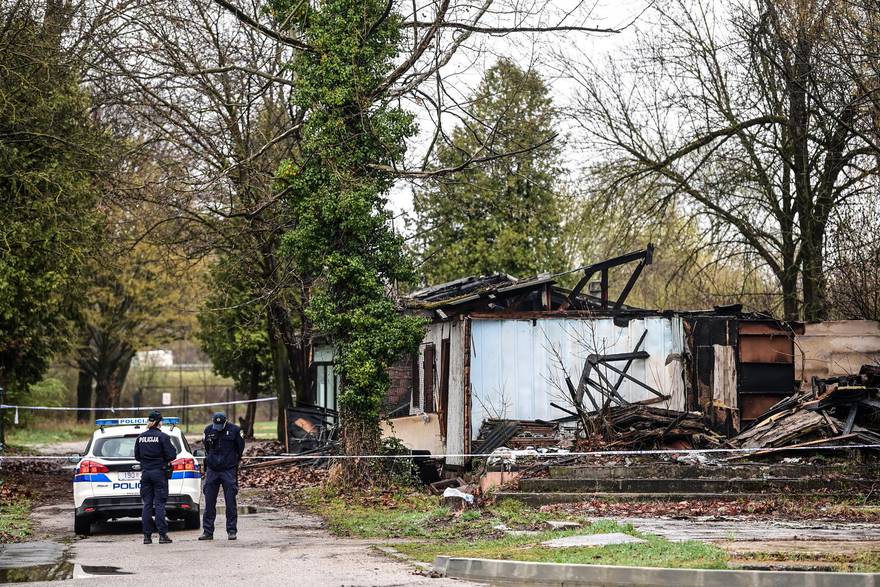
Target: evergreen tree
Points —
{"points": [[502, 215]]}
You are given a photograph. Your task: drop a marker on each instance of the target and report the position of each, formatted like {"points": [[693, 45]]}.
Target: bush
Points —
{"points": [[48, 392], [400, 472]]}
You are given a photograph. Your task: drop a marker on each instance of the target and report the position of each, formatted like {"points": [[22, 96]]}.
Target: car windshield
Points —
{"points": [[122, 447]]}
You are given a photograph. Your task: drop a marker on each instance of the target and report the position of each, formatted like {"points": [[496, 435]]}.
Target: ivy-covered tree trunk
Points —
{"points": [[336, 193]]}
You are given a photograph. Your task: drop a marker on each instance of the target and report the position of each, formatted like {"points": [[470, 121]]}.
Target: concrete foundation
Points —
{"points": [[499, 572]]}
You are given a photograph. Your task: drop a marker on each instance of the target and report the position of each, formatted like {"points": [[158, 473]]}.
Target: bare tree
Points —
{"points": [[211, 96], [740, 113], [854, 263]]}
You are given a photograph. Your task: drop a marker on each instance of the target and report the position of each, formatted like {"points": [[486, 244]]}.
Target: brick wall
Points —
{"points": [[401, 385]]}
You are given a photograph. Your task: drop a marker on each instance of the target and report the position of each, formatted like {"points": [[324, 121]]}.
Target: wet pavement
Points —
{"points": [[274, 547], [722, 529]]}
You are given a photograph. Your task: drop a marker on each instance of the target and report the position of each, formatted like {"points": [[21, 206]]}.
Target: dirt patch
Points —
{"points": [[803, 547], [37, 480]]}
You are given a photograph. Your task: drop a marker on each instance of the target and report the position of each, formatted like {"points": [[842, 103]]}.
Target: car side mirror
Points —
{"points": [[199, 453]]}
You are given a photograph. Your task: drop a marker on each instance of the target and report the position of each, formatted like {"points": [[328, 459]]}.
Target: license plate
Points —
{"points": [[129, 475]]}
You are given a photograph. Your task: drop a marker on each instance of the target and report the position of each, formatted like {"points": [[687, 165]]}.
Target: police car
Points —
{"points": [[106, 483]]}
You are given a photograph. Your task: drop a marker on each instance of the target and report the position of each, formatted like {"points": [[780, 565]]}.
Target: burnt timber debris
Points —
{"points": [[516, 434], [837, 410], [645, 257]]}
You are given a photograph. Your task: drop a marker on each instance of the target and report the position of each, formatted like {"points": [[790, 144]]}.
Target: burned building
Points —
{"points": [[499, 348]]}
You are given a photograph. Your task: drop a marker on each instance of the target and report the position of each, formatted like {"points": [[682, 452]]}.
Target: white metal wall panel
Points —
{"points": [[455, 432], [455, 420], [515, 372]]}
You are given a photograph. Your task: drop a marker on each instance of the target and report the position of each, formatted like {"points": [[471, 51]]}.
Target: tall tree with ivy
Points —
{"points": [[335, 190], [503, 215]]}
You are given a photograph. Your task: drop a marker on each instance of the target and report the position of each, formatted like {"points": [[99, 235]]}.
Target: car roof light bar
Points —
{"points": [[132, 421]]}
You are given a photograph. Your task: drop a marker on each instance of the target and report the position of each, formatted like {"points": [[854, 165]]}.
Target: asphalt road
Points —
{"points": [[274, 548]]}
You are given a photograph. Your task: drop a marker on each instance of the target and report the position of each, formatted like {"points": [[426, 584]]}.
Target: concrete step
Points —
{"points": [[540, 498], [682, 486], [730, 471]]}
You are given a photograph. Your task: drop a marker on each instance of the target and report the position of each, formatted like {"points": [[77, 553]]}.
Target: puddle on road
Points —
{"points": [[52, 572], [34, 561], [27, 562]]}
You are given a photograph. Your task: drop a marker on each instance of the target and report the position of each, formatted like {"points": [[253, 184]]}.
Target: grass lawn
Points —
{"points": [[417, 515], [173, 377], [656, 552], [47, 432], [15, 523], [439, 531], [434, 530], [266, 430]]}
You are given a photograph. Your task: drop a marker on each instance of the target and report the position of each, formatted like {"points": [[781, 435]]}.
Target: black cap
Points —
{"points": [[218, 421], [155, 416]]}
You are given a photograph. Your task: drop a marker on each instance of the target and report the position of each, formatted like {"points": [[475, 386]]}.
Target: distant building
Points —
{"points": [[157, 358]]}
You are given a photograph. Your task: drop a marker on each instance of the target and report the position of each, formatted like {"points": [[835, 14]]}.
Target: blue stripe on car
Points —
{"points": [[91, 478], [185, 475]]}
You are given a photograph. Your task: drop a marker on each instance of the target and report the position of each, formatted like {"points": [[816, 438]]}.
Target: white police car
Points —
{"points": [[106, 483]]}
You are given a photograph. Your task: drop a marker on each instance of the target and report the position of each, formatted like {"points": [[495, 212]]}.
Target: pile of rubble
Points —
{"points": [[638, 426], [515, 434], [837, 410]]}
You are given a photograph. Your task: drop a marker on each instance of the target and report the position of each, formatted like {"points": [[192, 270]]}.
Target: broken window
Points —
{"points": [[428, 383], [444, 385], [414, 380]]}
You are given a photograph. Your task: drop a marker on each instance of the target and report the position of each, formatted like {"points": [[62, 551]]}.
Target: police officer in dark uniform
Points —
{"points": [[224, 446], [153, 450]]}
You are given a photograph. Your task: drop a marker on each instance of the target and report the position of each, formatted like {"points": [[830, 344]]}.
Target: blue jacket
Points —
{"points": [[153, 449], [223, 448]]}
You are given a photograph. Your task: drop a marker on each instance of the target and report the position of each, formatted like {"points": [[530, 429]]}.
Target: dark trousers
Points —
{"points": [[154, 494], [213, 480]]}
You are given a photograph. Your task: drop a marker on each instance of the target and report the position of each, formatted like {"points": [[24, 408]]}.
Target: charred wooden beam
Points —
{"points": [[646, 257]]}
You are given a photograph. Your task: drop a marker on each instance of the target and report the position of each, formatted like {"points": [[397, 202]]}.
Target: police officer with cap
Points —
{"points": [[153, 450], [224, 446]]}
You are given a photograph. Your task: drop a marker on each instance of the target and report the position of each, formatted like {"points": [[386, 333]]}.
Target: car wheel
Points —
{"points": [[192, 521], [82, 525]]}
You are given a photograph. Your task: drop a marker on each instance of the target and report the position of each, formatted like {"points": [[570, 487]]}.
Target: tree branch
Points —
{"points": [[251, 22]]}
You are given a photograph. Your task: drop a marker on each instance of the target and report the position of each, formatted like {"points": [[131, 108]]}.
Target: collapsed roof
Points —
{"points": [[500, 291]]}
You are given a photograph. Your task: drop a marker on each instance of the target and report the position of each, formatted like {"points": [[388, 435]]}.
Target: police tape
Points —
{"points": [[136, 409], [526, 453]]}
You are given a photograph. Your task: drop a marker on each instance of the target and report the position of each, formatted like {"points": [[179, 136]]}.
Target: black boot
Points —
{"points": [[206, 536], [148, 539], [232, 535], [163, 539]]}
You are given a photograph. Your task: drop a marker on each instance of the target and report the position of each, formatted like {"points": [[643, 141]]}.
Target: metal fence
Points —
{"points": [[196, 418]]}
